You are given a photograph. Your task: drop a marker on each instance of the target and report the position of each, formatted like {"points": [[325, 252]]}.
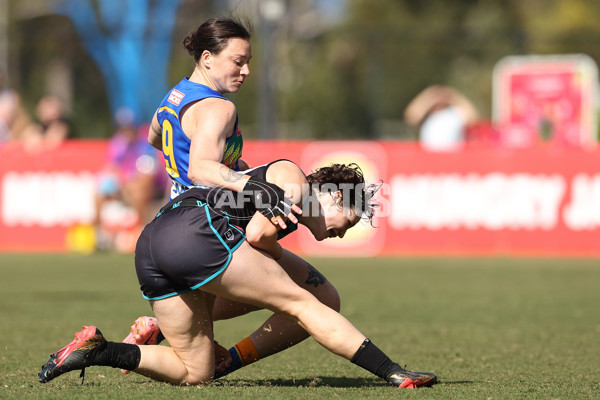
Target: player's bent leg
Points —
{"points": [[301, 272], [227, 309], [186, 323], [308, 277], [269, 286], [276, 333], [279, 333]]}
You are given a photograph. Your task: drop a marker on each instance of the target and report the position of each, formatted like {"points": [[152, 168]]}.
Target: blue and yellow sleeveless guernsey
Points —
{"points": [[175, 143]]}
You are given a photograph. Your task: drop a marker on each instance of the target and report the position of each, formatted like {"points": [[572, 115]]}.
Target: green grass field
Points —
{"points": [[490, 328]]}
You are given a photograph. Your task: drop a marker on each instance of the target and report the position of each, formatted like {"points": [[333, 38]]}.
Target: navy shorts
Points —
{"points": [[183, 249]]}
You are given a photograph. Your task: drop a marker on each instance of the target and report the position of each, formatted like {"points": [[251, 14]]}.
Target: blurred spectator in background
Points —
{"points": [[52, 127], [130, 185], [13, 118], [443, 116]]}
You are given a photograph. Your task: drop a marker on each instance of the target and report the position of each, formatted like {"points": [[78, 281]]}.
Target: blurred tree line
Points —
{"points": [[350, 77]]}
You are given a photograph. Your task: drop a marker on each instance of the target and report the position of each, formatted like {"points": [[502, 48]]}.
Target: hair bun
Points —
{"points": [[188, 43]]}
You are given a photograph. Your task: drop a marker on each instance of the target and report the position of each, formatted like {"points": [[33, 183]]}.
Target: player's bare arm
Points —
{"points": [[210, 126], [155, 133], [262, 234], [229, 175]]}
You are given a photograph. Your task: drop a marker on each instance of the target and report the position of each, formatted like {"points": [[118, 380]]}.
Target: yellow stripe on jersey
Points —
{"points": [[169, 110]]}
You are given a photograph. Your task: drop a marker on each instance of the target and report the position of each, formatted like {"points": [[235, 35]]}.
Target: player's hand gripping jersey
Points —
{"points": [[175, 143]]}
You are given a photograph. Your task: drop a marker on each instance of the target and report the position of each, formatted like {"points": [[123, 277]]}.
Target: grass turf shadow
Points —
{"points": [[323, 381], [320, 381]]}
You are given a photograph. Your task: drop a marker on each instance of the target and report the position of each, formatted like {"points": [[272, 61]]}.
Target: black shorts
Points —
{"points": [[182, 249]]}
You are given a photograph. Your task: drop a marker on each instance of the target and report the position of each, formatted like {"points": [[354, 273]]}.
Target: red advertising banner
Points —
{"points": [[543, 200], [539, 201], [43, 194], [480, 201]]}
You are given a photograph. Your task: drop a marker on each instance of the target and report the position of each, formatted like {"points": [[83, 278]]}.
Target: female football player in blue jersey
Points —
{"points": [[210, 242], [196, 128]]}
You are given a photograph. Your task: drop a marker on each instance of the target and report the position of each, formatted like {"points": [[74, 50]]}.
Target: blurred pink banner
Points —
{"points": [[546, 98], [538, 201]]}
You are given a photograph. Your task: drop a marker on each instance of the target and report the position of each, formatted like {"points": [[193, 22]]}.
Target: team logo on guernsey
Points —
{"points": [[175, 97], [233, 150]]}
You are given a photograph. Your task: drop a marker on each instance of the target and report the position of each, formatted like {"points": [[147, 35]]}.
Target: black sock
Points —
{"points": [[369, 357], [119, 355]]}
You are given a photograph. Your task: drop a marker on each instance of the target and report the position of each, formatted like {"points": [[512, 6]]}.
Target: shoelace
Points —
{"points": [[80, 337]]}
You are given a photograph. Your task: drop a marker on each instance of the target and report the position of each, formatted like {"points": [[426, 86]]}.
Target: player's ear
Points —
{"points": [[337, 197], [206, 58]]}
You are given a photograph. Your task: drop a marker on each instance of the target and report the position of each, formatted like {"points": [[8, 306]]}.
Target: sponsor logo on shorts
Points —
{"points": [[175, 97]]}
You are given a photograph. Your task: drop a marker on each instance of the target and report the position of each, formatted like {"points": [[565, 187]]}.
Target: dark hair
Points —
{"points": [[341, 177], [213, 35]]}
